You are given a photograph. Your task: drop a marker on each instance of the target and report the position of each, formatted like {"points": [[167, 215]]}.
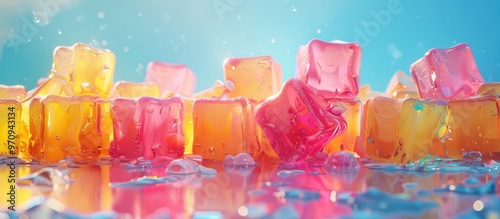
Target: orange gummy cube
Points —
{"points": [[224, 127], [88, 70], [489, 89], [347, 140], [474, 124], [14, 92], [10, 112], [55, 85], [403, 130], [63, 126], [127, 89], [255, 78]]}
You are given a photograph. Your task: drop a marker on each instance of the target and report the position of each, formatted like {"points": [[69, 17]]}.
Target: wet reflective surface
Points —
{"points": [[262, 191]]}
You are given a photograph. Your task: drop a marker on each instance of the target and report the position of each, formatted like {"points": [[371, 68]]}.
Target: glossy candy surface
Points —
{"points": [[330, 67], [447, 73], [88, 70], [256, 78], [147, 128], [299, 122], [403, 130], [224, 127]]}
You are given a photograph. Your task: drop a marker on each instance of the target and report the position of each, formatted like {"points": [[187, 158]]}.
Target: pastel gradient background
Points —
{"points": [[201, 34]]}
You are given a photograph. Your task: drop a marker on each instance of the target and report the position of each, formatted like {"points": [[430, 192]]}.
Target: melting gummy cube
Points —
{"points": [[175, 78], [10, 112], [400, 82], [332, 68], [347, 140], [147, 128], [63, 126], [403, 130], [474, 124], [256, 78], [299, 121], [15, 92], [224, 127], [88, 70], [447, 73], [134, 90]]}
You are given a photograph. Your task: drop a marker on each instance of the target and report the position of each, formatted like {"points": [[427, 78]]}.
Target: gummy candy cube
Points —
{"points": [[332, 68], [366, 93], [400, 82], [104, 125], [489, 89], [347, 140], [147, 128], [161, 126], [125, 116], [63, 126], [447, 73], [474, 125], [299, 121], [402, 130], [224, 127], [134, 90], [256, 78], [15, 92], [88, 70], [10, 112], [175, 78], [216, 91], [55, 85]]}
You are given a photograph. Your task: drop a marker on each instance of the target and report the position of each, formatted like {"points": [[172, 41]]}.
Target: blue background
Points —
{"points": [[201, 35]]}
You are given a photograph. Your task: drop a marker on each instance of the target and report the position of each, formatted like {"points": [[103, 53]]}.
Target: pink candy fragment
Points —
{"points": [[147, 128], [175, 78], [299, 122], [447, 73], [332, 68]]}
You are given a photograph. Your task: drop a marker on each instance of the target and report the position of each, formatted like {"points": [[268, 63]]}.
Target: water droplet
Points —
{"points": [[140, 14], [102, 27], [36, 19], [294, 9], [318, 30], [125, 49], [100, 14], [104, 42], [59, 31], [58, 137], [273, 40], [212, 150]]}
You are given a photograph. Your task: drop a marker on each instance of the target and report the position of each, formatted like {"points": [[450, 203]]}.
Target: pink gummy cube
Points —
{"points": [[299, 121], [447, 73], [147, 128], [175, 78], [332, 68]]}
